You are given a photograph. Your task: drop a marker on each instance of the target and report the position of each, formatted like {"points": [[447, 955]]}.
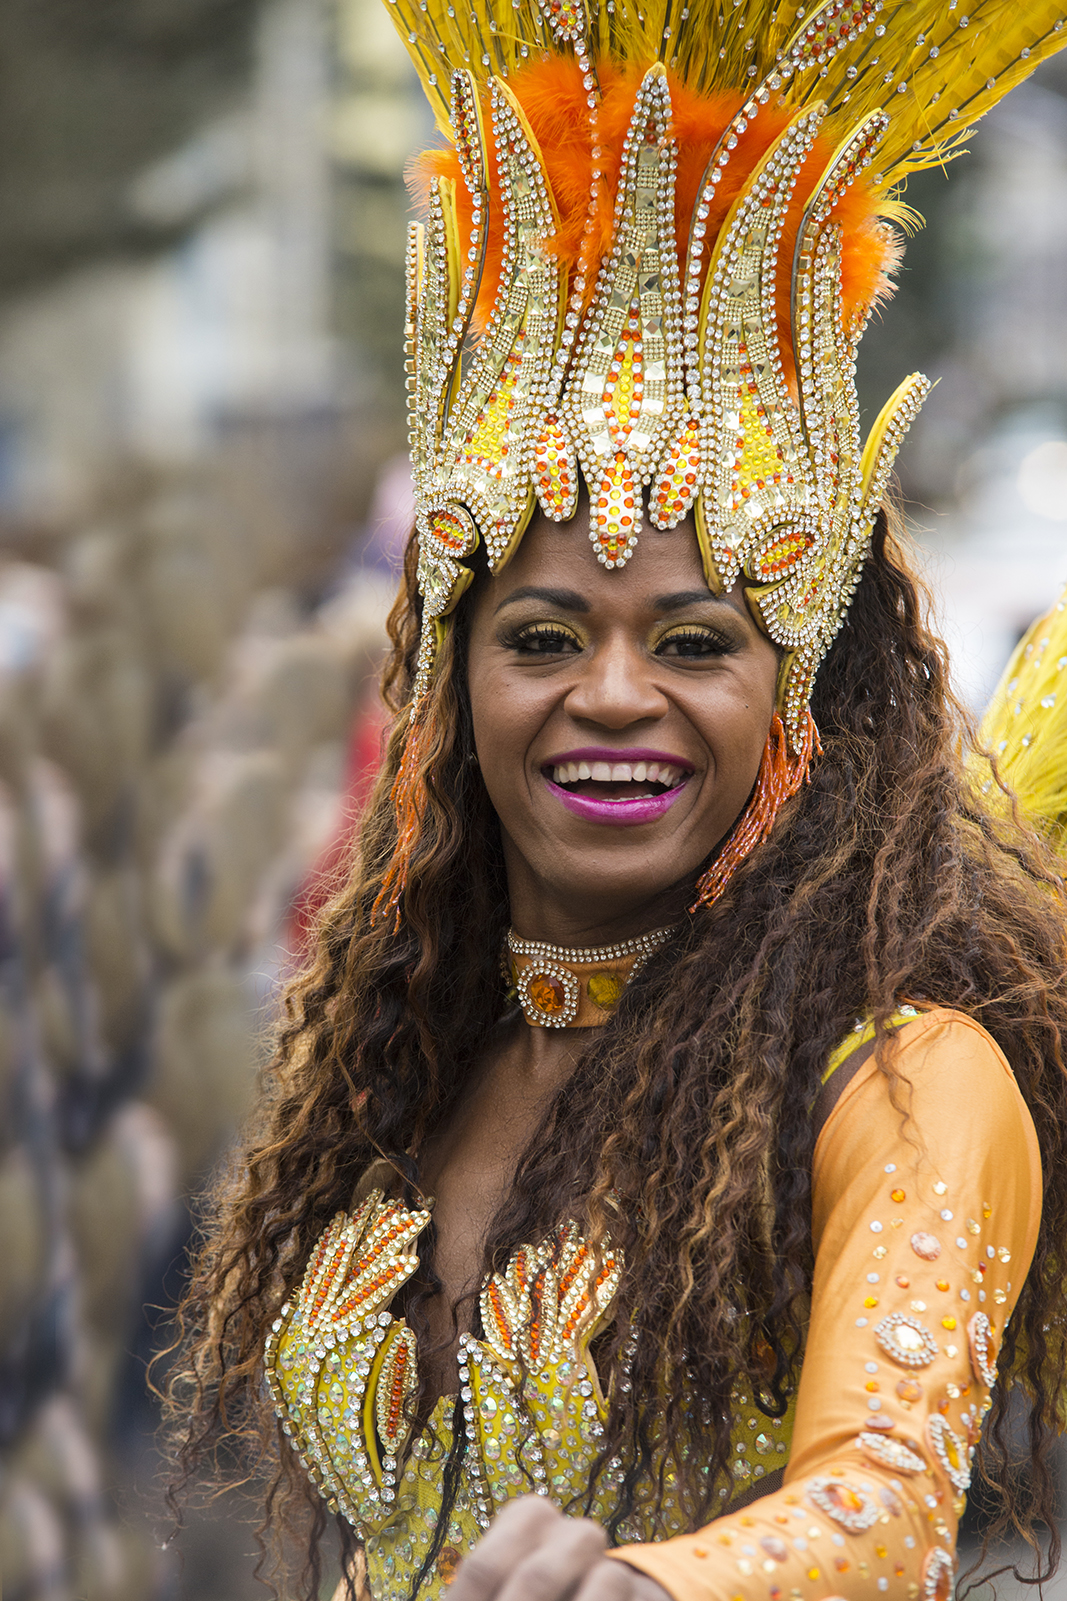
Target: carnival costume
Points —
{"points": [[650, 249]]}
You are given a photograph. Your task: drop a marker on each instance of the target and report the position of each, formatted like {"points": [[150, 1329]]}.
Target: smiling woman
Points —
{"points": [[661, 1184], [619, 720]]}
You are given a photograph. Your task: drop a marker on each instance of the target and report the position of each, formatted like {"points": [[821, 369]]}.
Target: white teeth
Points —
{"points": [[618, 773]]}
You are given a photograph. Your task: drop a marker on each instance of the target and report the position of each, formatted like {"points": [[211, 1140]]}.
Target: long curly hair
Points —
{"points": [[885, 878]]}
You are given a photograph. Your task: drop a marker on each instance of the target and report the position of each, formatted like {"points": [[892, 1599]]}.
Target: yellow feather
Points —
{"points": [[935, 66], [1025, 727]]}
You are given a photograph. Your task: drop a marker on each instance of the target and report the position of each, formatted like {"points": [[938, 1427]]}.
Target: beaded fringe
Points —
{"points": [[781, 774]]}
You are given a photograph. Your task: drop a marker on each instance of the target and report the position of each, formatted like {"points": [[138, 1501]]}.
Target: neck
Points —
{"points": [[575, 927]]}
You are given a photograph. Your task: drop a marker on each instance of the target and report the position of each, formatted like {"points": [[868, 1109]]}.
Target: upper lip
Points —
{"points": [[612, 753]]}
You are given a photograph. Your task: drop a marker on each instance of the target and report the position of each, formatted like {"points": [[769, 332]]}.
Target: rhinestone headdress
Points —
{"points": [[586, 304]]}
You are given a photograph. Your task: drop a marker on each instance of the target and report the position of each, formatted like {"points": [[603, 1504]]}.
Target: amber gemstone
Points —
{"points": [[448, 1560], [605, 990], [943, 1586], [845, 1498], [547, 995], [910, 1390]]}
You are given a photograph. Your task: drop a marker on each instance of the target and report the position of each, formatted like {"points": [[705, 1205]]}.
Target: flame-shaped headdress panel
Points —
{"points": [[673, 315]]}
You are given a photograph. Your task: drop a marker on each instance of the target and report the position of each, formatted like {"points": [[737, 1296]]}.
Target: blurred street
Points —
{"points": [[203, 500]]}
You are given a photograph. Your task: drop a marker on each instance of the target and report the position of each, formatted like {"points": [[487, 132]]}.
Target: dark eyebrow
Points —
{"points": [[687, 597], [562, 599]]}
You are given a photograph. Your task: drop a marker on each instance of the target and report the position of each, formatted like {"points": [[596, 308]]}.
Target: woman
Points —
{"points": [[654, 1153]]}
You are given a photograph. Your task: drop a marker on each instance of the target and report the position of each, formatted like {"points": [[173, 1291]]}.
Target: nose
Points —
{"points": [[615, 687]]}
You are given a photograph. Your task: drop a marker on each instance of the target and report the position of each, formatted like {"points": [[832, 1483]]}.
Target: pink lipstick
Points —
{"points": [[603, 771], [639, 809]]}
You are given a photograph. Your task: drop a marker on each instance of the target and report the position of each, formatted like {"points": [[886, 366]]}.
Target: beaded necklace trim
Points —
{"points": [[576, 987]]}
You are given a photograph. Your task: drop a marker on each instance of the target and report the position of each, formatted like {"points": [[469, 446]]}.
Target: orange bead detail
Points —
{"points": [[782, 773]]}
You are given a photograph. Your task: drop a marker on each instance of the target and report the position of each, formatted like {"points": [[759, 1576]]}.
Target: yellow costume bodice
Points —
{"points": [[342, 1370]]}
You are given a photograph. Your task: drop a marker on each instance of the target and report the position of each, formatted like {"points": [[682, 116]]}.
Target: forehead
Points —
{"points": [[560, 555]]}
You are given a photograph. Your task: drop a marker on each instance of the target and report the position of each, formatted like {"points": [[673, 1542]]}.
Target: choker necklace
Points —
{"points": [[564, 987]]}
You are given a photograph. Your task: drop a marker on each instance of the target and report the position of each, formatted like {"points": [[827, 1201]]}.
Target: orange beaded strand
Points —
{"points": [[781, 774], [409, 797]]}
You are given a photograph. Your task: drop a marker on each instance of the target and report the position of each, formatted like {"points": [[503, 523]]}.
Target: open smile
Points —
{"points": [[620, 787]]}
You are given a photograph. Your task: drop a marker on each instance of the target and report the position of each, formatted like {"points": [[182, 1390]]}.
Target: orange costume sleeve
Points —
{"points": [[924, 1226]]}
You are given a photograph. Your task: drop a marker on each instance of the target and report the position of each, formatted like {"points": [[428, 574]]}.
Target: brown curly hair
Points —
{"points": [[885, 878]]}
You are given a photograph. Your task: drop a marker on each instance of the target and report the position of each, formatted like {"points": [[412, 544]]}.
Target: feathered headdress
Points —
{"points": [[651, 246]]}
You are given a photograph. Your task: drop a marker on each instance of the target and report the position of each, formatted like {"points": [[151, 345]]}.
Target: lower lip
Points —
{"points": [[622, 813]]}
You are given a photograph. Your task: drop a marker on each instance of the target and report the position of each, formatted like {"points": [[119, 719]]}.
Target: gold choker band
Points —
{"points": [[562, 987]]}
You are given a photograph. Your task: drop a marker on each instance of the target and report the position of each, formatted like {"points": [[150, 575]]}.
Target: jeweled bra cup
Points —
{"points": [[343, 1370]]}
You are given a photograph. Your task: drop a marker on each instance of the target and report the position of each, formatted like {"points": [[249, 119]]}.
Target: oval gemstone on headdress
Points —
{"points": [[616, 514], [675, 490], [555, 472], [455, 530]]}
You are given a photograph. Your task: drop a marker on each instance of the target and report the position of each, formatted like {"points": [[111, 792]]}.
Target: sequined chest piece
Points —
{"points": [[342, 1369]]}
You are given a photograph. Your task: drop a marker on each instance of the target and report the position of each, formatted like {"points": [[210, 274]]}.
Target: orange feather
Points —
{"points": [[553, 98]]}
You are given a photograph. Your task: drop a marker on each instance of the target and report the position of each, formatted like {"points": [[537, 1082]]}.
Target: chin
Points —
{"points": [[602, 889]]}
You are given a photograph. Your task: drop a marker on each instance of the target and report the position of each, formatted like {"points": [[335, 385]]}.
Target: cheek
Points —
{"points": [[504, 723], [737, 730]]}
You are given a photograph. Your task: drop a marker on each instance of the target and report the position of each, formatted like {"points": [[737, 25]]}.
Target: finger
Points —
{"points": [[520, 1527], [558, 1565], [612, 1580], [607, 1581]]}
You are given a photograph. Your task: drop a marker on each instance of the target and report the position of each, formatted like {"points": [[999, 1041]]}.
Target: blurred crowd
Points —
{"points": [[176, 733]]}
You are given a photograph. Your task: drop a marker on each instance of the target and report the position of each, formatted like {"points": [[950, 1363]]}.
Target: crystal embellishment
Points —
{"points": [[906, 1340]]}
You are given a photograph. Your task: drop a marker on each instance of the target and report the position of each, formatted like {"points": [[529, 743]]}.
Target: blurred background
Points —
{"points": [[202, 500]]}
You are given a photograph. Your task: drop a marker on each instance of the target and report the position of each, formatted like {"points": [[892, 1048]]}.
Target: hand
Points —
{"points": [[533, 1553]]}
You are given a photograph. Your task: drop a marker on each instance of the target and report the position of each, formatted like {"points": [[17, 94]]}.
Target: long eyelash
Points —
{"points": [[697, 636], [533, 633]]}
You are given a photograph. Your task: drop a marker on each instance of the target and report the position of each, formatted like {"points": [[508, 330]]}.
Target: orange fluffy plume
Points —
{"points": [[553, 98]]}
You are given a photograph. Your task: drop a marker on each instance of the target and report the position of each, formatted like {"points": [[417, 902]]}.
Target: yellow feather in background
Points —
{"points": [[935, 66], [1025, 726]]}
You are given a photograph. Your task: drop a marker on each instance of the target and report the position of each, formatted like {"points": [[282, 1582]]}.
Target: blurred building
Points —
{"points": [[190, 438], [983, 310]]}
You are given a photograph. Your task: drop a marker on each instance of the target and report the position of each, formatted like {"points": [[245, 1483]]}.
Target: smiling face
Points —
{"points": [[619, 721]]}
